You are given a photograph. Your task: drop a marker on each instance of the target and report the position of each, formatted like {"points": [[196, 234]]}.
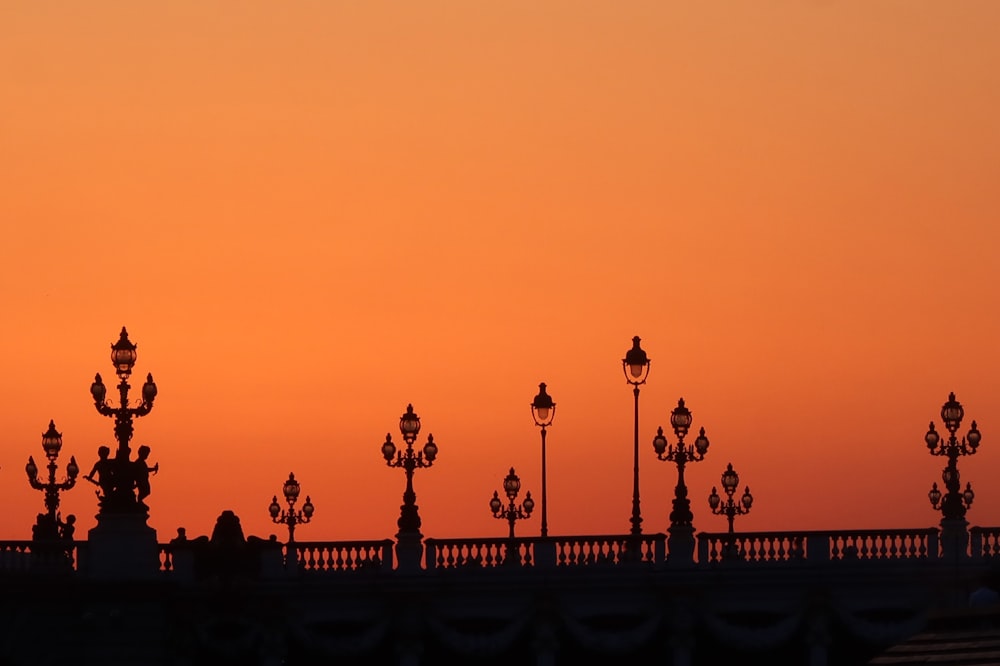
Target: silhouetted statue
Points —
{"points": [[104, 470], [228, 555], [123, 483], [67, 528], [140, 474]]}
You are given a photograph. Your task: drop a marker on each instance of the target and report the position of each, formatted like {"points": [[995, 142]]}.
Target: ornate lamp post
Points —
{"points": [[292, 517], [47, 525], [543, 410], [119, 477], [409, 426], [731, 508], [512, 512], [681, 532], [954, 502], [636, 368]]}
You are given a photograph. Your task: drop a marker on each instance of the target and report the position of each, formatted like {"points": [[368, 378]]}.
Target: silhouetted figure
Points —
{"points": [[67, 528], [181, 537], [140, 474], [104, 470]]}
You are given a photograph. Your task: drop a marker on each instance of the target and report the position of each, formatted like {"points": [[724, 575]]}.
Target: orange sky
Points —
{"points": [[310, 214]]}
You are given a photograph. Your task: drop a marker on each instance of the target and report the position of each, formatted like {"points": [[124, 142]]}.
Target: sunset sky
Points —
{"points": [[310, 214]]}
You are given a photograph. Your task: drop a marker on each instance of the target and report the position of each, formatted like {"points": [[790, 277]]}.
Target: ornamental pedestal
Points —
{"points": [[121, 547]]}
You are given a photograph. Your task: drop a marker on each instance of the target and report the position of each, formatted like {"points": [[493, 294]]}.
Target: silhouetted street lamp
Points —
{"points": [[954, 502], [47, 525], [636, 368], [119, 477], [512, 512], [292, 517], [409, 426], [731, 508], [681, 454], [543, 410]]}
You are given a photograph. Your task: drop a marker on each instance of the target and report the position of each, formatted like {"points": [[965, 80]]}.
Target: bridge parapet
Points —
{"points": [[331, 556], [819, 546], [984, 542]]}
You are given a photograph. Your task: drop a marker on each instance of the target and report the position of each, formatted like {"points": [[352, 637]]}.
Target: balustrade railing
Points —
{"points": [[27, 556], [478, 553], [610, 549], [542, 552], [819, 546], [984, 542], [320, 557], [165, 556], [329, 556]]}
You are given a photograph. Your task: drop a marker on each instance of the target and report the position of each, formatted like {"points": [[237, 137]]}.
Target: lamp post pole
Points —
{"points": [[636, 368], [48, 525], [730, 508], [512, 512], [680, 541], [955, 501], [292, 517], [409, 460], [543, 410]]}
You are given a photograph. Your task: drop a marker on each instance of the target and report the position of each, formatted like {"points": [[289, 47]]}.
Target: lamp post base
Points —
{"points": [[680, 545], [121, 547], [954, 539], [409, 551]]}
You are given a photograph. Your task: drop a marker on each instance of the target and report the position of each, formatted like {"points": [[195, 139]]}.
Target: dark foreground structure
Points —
{"points": [[796, 598], [123, 597]]}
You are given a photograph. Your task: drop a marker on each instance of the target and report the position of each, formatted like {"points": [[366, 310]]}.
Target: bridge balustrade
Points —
{"points": [[21, 556], [819, 546], [762, 548], [478, 553], [984, 542], [330, 556], [544, 552]]}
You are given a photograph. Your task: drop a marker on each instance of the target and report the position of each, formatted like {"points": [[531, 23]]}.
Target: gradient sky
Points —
{"points": [[309, 214]]}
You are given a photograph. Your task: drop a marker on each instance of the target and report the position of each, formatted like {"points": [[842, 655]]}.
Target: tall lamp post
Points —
{"points": [[292, 517], [409, 460], [543, 410], [954, 502], [730, 508], [636, 368], [48, 524], [681, 533], [119, 478]]}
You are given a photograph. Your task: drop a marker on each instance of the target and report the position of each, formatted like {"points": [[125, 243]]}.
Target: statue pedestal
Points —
{"points": [[121, 547]]}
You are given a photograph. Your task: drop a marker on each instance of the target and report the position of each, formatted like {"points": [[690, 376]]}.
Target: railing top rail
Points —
{"points": [[366, 543], [982, 530], [770, 534], [548, 539]]}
